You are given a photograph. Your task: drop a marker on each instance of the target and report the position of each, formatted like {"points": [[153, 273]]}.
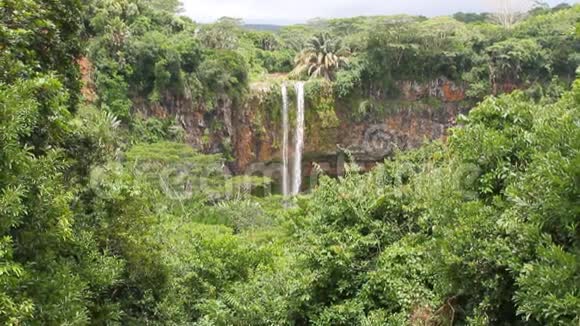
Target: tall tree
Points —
{"points": [[37, 36], [321, 57], [51, 268], [508, 12], [172, 6]]}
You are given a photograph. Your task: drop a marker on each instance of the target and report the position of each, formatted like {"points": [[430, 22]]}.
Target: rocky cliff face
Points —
{"points": [[424, 111], [250, 132], [208, 129]]}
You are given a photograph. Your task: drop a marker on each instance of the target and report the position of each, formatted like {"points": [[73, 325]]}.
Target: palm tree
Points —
{"points": [[321, 57]]}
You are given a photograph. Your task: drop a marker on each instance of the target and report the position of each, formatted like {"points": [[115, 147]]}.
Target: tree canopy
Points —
{"points": [[108, 216]]}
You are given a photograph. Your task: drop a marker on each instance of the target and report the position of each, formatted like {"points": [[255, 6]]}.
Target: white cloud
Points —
{"points": [[278, 11]]}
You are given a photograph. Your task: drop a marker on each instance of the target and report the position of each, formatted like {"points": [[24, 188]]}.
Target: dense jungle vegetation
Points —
{"points": [[104, 218]]}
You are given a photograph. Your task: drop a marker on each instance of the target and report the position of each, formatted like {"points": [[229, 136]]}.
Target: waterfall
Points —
{"points": [[285, 185], [291, 182], [299, 138]]}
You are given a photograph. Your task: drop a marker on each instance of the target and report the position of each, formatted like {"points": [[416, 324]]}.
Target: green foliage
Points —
{"points": [[514, 61], [163, 63], [468, 17], [145, 55], [13, 306], [419, 50], [320, 97], [167, 5], [346, 227], [42, 280], [181, 173], [224, 34], [552, 31], [38, 224], [113, 97], [321, 57], [41, 36], [276, 61], [513, 140], [490, 59], [153, 130], [348, 80], [225, 71], [481, 229], [243, 215]]}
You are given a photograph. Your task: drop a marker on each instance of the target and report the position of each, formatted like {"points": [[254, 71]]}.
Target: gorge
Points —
{"points": [[261, 127], [155, 170]]}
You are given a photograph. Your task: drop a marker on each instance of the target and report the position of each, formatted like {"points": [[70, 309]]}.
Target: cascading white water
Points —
{"points": [[298, 138], [285, 185]]}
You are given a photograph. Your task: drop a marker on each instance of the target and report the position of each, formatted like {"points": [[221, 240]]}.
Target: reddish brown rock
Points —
{"points": [[88, 87], [250, 132]]}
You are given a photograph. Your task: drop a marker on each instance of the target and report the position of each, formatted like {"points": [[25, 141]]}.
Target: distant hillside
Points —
{"points": [[263, 27]]}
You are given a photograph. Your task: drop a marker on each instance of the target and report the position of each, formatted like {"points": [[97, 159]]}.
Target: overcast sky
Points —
{"points": [[296, 11]]}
